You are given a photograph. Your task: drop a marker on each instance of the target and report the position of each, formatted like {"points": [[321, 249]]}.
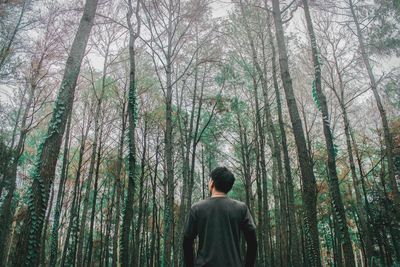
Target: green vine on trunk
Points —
{"points": [[318, 104]]}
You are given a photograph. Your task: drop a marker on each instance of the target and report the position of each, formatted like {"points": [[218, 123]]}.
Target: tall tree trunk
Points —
{"points": [[261, 225], [168, 150], [132, 116], [88, 181], [190, 141], [293, 246], [45, 227], [153, 258], [279, 190], [43, 172], [60, 193], [333, 182], [118, 187], [6, 49], [244, 154], [366, 232], [136, 253], [7, 209], [382, 112], [309, 192], [72, 249], [94, 201], [267, 221], [73, 209], [97, 126], [103, 225]]}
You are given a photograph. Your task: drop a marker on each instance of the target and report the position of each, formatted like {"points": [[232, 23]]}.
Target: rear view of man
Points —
{"points": [[218, 222]]}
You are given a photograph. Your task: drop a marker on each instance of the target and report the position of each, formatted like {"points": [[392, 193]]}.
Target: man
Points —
{"points": [[218, 222]]}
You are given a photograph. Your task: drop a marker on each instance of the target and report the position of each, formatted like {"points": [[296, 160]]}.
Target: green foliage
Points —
{"points": [[392, 89], [384, 33], [226, 73], [315, 96], [238, 191], [6, 155], [318, 104]]}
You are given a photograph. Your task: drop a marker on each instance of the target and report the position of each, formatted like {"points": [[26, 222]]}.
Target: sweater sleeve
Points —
{"points": [[188, 239], [249, 231]]}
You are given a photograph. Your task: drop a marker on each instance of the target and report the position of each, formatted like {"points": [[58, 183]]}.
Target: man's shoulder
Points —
{"points": [[200, 203], [237, 202], [206, 202]]}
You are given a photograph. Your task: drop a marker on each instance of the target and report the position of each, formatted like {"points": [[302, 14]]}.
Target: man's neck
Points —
{"points": [[218, 194]]}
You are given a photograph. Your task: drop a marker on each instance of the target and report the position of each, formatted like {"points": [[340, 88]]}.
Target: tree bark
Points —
{"points": [[118, 187], [5, 50], [73, 208], [132, 116], [43, 172], [309, 192], [333, 181], [94, 200], [385, 125], [60, 193], [366, 233], [88, 181], [6, 212], [168, 148]]}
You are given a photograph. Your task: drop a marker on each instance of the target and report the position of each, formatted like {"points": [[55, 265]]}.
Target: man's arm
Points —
{"points": [[249, 230], [188, 253], [188, 239], [251, 251]]}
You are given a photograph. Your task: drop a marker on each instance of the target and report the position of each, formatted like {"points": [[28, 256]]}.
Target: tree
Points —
{"points": [[307, 174], [337, 203], [385, 125], [132, 117], [43, 172]]}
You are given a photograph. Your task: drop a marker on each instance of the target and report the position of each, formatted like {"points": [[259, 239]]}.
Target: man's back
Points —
{"points": [[218, 222]]}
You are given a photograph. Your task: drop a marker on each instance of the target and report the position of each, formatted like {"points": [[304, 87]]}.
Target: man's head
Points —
{"points": [[221, 180]]}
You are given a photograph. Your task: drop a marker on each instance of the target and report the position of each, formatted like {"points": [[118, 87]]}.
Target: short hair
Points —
{"points": [[223, 179]]}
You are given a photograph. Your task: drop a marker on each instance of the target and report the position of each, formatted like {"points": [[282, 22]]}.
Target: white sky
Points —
{"points": [[220, 8]]}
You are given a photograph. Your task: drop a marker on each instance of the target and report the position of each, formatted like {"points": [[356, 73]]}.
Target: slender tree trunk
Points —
{"points": [[382, 112], [244, 151], [309, 184], [60, 193], [103, 225], [267, 220], [293, 245], [136, 253], [132, 116], [366, 233], [7, 208], [333, 182], [73, 208], [118, 187], [88, 182], [168, 152], [43, 172], [94, 200], [5, 177], [189, 160], [109, 219], [45, 227], [153, 258], [71, 256], [261, 225], [5, 50], [98, 128]]}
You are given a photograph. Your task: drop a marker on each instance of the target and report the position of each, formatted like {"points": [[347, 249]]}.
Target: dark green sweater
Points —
{"points": [[218, 222]]}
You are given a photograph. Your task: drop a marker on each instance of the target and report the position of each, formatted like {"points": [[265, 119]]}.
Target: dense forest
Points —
{"points": [[114, 112]]}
